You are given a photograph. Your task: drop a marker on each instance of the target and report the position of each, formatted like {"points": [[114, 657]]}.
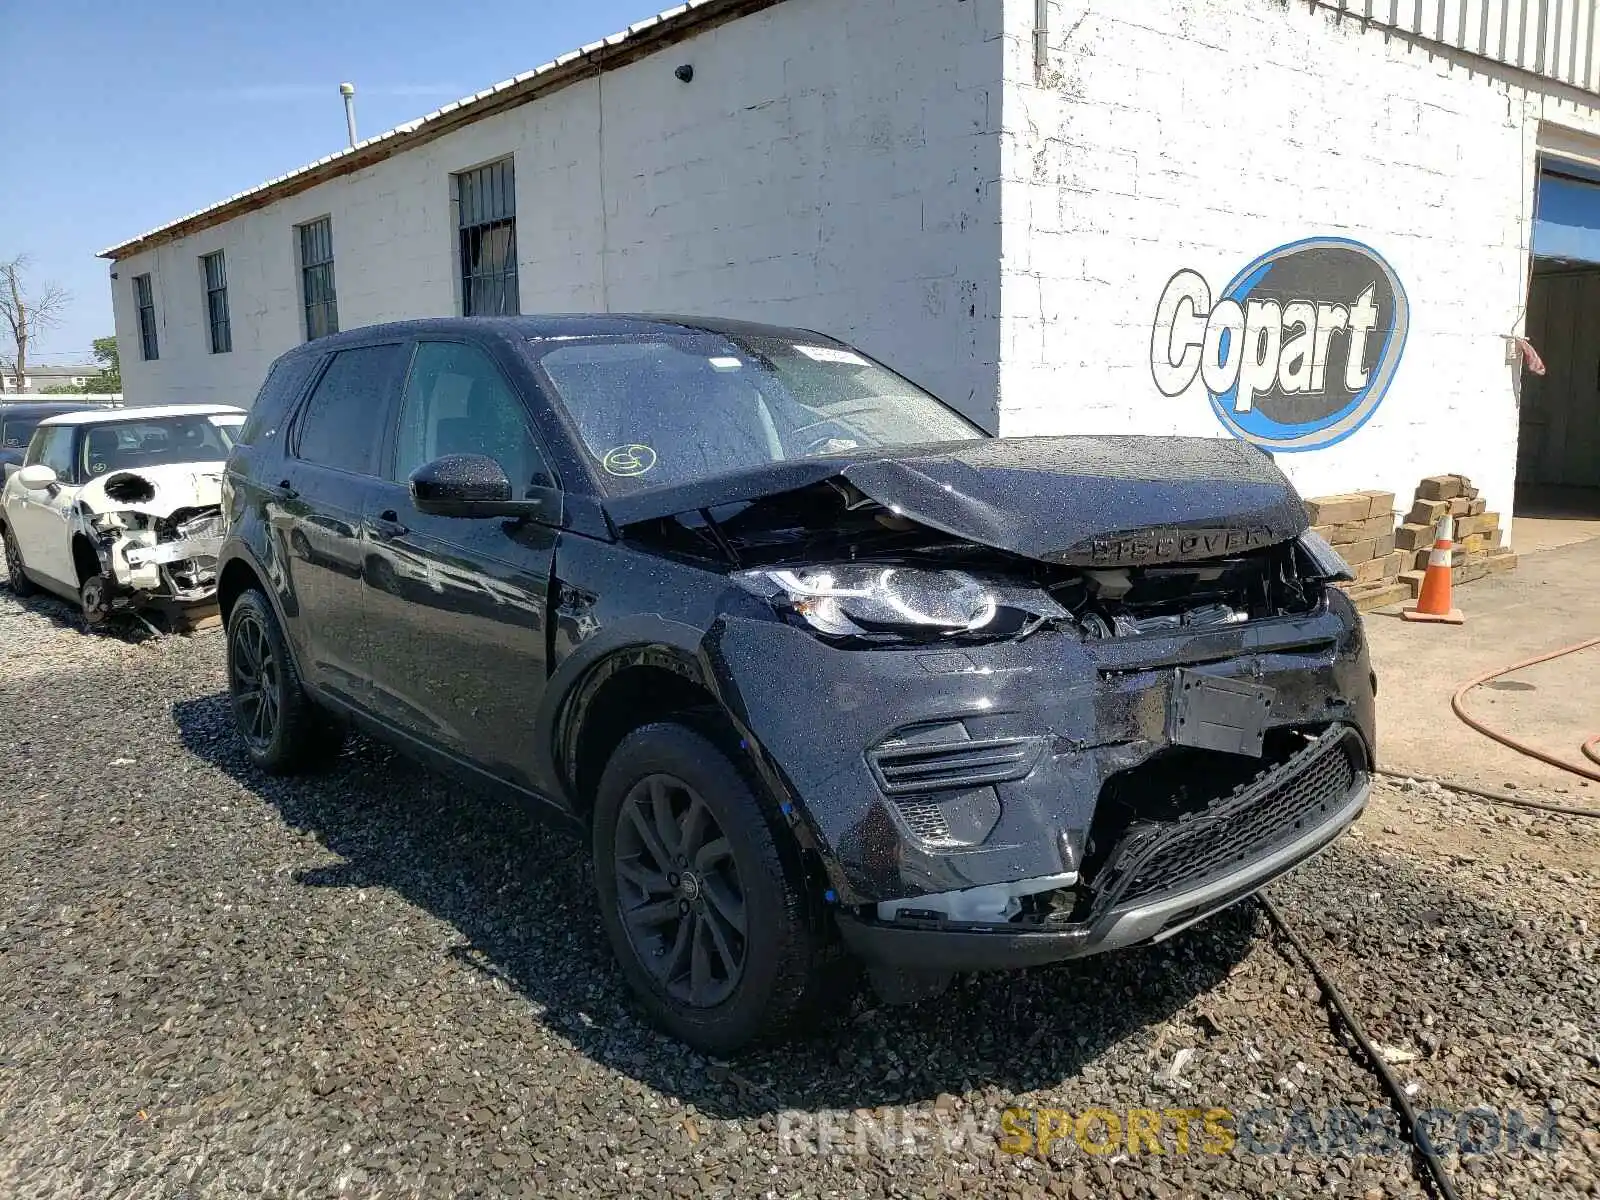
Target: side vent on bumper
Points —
{"points": [[942, 781], [938, 757]]}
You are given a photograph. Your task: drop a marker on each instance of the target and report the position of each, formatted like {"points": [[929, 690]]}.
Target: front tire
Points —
{"points": [[21, 585], [703, 897], [283, 731]]}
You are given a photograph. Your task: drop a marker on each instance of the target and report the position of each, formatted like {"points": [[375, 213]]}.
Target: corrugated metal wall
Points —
{"points": [[1552, 38]]}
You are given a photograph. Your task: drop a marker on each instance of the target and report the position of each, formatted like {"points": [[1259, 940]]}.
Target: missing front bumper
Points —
{"points": [[1159, 884]]}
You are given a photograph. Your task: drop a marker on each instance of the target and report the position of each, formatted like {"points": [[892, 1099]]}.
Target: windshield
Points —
{"points": [[155, 442], [15, 431], [663, 409]]}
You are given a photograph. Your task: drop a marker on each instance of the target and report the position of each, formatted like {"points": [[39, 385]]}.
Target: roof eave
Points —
{"points": [[638, 41]]}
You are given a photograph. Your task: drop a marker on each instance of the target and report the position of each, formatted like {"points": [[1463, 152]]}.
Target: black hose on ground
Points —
{"points": [[1498, 797], [1335, 999]]}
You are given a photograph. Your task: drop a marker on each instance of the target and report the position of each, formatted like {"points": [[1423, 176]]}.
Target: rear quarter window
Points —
{"points": [[278, 392]]}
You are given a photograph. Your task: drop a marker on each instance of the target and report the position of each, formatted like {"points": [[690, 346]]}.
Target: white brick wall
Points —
{"points": [[832, 165], [891, 172], [1202, 133]]}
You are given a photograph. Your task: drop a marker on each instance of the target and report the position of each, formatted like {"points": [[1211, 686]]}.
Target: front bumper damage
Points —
{"points": [[147, 557], [1017, 803], [1160, 881]]}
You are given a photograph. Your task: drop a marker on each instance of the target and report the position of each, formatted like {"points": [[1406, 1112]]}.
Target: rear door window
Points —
{"points": [[342, 423]]}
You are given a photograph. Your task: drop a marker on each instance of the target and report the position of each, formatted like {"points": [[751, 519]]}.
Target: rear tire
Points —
{"points": [[20, 584], [716, 941], [282, 728]]}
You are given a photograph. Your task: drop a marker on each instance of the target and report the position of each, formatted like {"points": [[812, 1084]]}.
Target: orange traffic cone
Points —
{"points": [[1433, 604]]}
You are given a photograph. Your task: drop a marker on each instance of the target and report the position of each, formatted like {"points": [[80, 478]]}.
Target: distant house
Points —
{"points": [[42, 379]]}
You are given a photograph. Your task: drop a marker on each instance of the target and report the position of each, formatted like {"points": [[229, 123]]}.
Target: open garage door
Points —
{"points": [[1558, 446]]}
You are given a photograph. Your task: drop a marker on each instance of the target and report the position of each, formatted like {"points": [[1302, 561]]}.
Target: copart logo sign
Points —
{"points": [[1297, 351]]}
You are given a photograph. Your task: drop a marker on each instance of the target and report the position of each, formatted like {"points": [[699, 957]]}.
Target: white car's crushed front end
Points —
{"points": [[157, 531]]}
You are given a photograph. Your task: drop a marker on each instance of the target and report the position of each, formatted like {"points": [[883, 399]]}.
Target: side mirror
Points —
{"points": [[37, 478], [466, 485]]}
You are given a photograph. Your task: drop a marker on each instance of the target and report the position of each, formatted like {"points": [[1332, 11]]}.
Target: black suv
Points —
{"points": [[825, 674]]}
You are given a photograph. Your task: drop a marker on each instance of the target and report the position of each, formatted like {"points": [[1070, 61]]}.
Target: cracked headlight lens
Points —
{"points": [[864, 599]]}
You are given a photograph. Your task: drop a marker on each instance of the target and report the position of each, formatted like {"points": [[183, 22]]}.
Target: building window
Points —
{"points": [[146, 301], [216, 273], [486, 206], [316, 278]]}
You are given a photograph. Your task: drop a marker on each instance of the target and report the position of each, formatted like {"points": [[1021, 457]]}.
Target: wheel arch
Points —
{"points": [[85, 558], [237, 577], [240, 572], [630, 687]]}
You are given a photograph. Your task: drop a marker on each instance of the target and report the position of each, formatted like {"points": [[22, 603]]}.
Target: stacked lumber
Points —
{"points": [[1360, 526], [1478, 546]]}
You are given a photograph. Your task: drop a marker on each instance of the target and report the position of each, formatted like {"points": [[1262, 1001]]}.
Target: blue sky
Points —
{"points": [[123, 116]]}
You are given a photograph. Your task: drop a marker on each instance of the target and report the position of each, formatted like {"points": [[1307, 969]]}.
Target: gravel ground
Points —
{"points": [[367, 984]]}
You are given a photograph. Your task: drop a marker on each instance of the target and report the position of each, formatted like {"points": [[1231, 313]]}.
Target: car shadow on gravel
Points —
{"points": [[121, 627], [521, 896]]}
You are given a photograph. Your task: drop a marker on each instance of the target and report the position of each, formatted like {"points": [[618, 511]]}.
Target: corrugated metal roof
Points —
{"points": [[637, 40]]}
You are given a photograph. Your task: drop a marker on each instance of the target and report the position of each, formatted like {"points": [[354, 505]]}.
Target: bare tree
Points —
{"points": [[28, 311]]}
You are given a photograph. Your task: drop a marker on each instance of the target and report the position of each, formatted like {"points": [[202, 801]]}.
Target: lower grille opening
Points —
{"points": [[1187, 816]]}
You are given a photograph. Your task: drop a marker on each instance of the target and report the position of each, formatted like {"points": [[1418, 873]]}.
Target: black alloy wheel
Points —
{"points": [[678, 892], [284, 730], [703, 892], [256, 680]]}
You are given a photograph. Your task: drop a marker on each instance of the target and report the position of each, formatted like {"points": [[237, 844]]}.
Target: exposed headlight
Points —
{"points": [[864, 599], [1327, 562], [106, 522]]}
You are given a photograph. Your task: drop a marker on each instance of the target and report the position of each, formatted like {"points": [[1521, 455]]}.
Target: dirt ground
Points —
{"points": [[1548, 602]]}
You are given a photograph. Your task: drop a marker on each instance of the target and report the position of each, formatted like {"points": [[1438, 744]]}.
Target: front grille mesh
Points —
{"points": [[1290, 800]]}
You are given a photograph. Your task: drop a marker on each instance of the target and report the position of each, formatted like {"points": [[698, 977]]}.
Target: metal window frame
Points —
{"points": [[319, 293], [485, 200], [144, 299], [214, 273]]}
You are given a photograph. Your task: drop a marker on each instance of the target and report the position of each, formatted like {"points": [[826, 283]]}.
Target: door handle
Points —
{"points": [[387, 524]]}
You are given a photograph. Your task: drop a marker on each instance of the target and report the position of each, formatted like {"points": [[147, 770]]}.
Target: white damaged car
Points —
{"points": [[120, 508]]}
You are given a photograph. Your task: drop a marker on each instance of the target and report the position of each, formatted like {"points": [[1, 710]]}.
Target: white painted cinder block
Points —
{"points": [[1201, 134], [895, 173], [831, 166]]}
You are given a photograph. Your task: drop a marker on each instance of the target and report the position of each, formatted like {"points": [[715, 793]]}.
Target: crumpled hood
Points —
{"points": [[1083, 501], [174, 486]]}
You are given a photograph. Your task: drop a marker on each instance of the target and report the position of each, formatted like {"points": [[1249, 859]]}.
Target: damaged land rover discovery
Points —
{"points": [[826, 675]]}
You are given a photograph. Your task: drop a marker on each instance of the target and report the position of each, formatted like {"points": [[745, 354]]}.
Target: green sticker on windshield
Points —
{"points": [[632, 459]]}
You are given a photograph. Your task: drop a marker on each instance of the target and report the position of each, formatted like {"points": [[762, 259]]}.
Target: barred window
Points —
{"points": [[216, 276], [316, 278], [144, 297], [486, 204]]}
